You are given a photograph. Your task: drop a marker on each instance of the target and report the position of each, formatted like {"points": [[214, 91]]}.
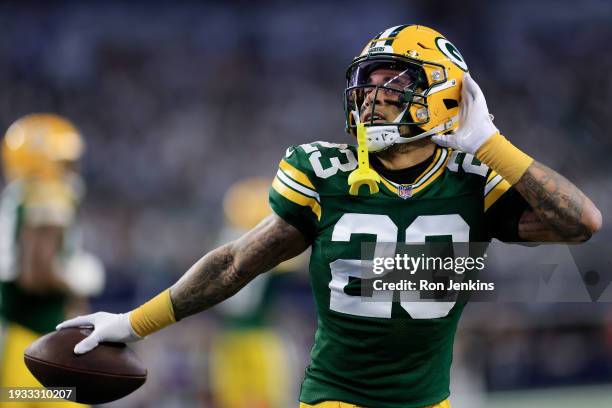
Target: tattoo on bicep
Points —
{"points": [[555, 200], [531, 228], [224, 271]]}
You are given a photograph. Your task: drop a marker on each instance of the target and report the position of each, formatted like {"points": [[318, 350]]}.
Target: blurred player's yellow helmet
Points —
{"points": [[427, 85], [246, 203], [39, 145]]}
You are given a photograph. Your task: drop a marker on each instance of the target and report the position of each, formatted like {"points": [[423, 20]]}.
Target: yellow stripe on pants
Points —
{"points": [[338, 404]]}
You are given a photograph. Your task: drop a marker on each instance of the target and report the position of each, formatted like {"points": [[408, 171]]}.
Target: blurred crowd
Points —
{"points": [[177, 102]]}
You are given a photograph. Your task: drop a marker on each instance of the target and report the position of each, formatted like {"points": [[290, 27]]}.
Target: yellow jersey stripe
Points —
{"points": [[492, 174], [431, 165], [434, 176], [295, 174], [289, 182], [495, 193], [439, 164], [491, 184], [389, 185], [296, 197]]}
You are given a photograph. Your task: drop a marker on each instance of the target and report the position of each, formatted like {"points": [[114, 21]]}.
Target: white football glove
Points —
{"points": [[107, 327], [475, 124]]}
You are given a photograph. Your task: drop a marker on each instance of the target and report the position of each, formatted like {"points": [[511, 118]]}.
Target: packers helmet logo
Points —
{"points": [[447, 48]]}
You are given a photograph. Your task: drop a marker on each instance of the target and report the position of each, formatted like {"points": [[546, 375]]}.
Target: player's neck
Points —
{"points": [[402, 156]]}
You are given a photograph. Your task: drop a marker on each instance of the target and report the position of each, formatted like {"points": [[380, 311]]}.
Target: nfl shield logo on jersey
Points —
{"points": [[404, 191]]}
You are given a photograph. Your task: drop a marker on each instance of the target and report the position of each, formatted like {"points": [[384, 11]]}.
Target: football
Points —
{"points": [[107, 373]]}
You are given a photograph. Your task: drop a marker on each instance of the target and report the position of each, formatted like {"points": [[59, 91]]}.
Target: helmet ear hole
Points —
{"points": [[450, 103]]}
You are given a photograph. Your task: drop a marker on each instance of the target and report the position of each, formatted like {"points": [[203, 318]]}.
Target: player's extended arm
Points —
{"points": [[222, 272], [214, 278], [559, 210]]}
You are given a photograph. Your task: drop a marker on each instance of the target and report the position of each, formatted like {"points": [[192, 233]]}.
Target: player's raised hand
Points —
{"points": [[107, 327], [475, 123]]}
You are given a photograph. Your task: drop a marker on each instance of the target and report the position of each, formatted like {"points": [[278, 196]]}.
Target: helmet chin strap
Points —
{"points": [[434, 130], [382, 137]]}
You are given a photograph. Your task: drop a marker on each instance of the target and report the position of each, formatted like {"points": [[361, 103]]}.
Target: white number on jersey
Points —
{"points": [[386, 236], [467, 165], [315, 159]]}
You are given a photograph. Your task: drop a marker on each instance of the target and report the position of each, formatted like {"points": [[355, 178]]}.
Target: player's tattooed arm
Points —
{"points": [[560, 212], [225, 270]]}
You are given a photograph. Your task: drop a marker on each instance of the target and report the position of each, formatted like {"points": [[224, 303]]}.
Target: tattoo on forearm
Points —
{"points": [[224, 271], [555, 201], [205, 284]]}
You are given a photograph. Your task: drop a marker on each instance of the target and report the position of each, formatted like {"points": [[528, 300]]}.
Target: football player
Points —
{"points": [[440, 169], [42, 269]]}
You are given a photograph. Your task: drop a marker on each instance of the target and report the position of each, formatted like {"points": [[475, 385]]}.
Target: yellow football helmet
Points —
{"points": [[40, 145], [425, 84], [245, 203]]}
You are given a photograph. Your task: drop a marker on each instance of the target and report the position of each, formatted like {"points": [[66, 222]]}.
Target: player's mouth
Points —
{"points": [[374, 118]]}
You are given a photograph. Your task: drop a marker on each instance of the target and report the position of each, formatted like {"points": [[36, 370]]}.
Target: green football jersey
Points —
{"points": [[33, 203], [379, 354]]}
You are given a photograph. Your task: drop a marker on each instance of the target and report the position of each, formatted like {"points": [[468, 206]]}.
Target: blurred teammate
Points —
{"points": [[439, 171], [42, 269], [249, 362]]}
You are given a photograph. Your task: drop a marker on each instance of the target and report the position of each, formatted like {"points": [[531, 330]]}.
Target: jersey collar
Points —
{"points": [[428, 176]]}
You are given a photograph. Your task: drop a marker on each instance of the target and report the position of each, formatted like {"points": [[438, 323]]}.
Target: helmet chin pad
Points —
{"points": [[381, 137]]}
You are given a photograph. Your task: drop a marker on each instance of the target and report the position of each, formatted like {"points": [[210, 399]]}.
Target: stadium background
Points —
{"points": [[177, 102]]}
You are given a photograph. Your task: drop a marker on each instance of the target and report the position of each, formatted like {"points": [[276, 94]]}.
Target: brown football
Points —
{"points": [[107, 373]]}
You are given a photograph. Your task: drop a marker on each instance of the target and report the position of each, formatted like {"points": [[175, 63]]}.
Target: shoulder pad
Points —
{"points": [[324, 160]]}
